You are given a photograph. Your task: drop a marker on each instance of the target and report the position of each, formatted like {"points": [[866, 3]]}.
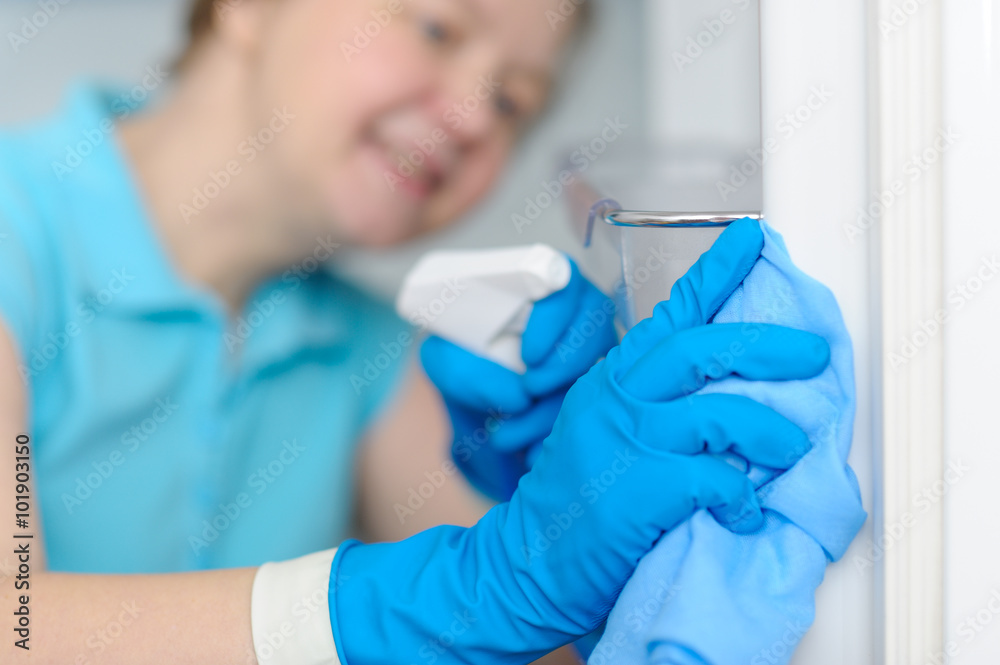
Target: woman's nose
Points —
{"points": [[470, 111]]}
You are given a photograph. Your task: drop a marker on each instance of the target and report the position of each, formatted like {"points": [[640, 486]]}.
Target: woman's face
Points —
{"points": [[400, 113]]}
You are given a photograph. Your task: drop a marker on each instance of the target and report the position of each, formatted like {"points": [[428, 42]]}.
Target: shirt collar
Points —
{"points": [[290, 316]]}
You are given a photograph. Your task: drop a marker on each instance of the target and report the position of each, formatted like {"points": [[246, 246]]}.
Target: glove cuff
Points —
{"points": [[448, 595], [290, 612]]}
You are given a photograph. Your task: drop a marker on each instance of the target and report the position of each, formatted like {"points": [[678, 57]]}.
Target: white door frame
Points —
{"points": [[851, 170]]}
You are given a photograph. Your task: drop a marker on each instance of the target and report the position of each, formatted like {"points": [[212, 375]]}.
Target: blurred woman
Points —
{"points": [[168, 338], [185, 395]]}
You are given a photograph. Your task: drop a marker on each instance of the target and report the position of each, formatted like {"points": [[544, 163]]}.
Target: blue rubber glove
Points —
{"points": [[499, 418], [628, 459]]}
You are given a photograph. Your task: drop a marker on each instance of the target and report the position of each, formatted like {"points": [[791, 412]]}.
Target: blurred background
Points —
{"points": [[694, 107], [704, 113], [690, 92]]}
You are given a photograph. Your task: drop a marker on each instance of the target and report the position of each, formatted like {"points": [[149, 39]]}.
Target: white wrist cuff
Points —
{"points": [[290, 612]]}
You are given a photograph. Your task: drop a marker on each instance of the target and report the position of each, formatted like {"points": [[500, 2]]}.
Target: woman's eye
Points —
{"points": [[436, 31], [505, 106]]}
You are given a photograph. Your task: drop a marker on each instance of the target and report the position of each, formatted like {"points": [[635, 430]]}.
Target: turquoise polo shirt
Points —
{"points": [[166, 435]]}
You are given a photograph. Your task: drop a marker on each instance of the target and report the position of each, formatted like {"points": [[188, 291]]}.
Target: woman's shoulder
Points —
{"points": [[29, 257], [36, 201], [34, 176]]}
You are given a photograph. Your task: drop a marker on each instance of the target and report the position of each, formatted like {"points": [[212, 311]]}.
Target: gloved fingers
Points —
{"points": [[589, 337], [470, 380], [717, 423], [466, 420], [698, 295], [684, 363], [551, 318], [520, 431], [532, 454], [712, 483]]}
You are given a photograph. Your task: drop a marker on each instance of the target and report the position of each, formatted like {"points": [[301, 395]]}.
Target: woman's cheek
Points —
{"points": [[477, 175], [393, 67]]}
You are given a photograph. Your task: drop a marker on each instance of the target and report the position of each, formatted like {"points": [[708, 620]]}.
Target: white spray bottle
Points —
{"points": [[481, 299]]}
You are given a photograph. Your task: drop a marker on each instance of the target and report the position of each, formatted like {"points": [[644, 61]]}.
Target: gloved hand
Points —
{"points": [[499, 418], [626, 461]]}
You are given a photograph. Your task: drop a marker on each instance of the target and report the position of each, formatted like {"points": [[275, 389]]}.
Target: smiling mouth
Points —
{"points": [[414, 173]]}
